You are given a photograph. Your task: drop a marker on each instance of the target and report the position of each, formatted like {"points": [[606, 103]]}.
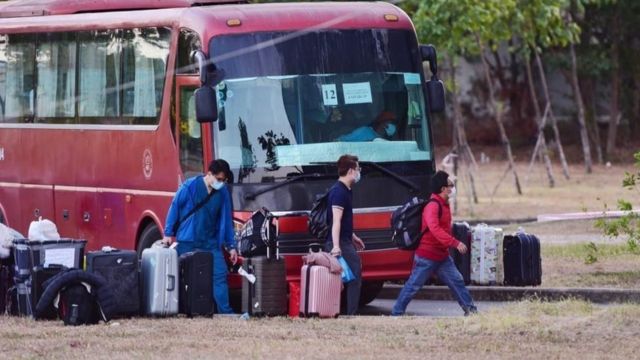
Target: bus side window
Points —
{"points": [[187, 42], [191, 152], [17, 78]]}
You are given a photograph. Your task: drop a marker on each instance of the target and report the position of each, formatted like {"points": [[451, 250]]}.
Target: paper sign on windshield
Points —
{"points": [[329, 94], [357, 93]]}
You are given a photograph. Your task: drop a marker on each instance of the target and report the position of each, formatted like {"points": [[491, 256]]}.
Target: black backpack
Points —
{"points": [[406, 223], [317, 222], [258, 234], [77, 306]]}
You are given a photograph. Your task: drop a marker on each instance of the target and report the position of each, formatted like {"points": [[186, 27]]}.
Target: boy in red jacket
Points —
{"points": [[432, 254]]}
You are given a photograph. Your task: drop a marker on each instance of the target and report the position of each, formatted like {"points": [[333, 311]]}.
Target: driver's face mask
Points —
{"points": [[390, 129]]}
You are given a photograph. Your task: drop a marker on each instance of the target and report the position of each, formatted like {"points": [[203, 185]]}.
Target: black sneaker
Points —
{"points": [[472, 310]]}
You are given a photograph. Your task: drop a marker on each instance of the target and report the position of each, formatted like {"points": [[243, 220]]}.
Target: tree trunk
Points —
{"points": [[584, 136], [497, 111], [461, 145], [614, 107], [541, 138], [554, 122], [635, 107], [595, 129]]}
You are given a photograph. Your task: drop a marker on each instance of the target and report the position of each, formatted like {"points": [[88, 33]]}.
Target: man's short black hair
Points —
{"points": [[439, 180], [217, 166]]}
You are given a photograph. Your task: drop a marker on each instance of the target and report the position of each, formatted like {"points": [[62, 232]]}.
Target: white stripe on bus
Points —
{"points": [[101, 127], [90, 189]]}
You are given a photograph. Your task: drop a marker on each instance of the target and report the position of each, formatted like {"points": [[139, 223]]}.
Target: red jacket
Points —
{"points": [[435, 243]]}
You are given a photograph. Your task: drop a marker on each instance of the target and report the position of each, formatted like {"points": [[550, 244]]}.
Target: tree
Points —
{"points": [[469, 28], [629, 224], [539, 25]]}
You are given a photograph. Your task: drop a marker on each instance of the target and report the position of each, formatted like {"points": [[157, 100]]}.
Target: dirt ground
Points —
{"points": [[565, 250], [526, 330], [581, 192], [564, 243]]}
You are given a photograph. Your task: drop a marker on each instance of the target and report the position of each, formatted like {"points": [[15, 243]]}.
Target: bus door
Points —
{"points": [[192, 138]]}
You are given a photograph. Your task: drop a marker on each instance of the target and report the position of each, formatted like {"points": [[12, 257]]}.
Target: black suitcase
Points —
{"points": [[196, 278], [6, 283], [38, 276], [462, 233], [120, 269], [522, 262], [268, 296]]}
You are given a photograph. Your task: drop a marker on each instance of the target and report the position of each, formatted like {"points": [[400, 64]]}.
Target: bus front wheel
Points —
{"points": [[149, 235], [369, 291]]}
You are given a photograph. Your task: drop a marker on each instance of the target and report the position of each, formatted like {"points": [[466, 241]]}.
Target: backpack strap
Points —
{"points": [[439, 215], [193, 210]]}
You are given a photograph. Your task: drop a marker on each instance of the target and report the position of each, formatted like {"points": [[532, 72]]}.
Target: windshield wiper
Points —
{"points": [[253, 195], [392, 174]]}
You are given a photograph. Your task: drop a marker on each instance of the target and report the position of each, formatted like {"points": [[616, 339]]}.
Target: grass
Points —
{"points": [[581, 192], [580, 251], [530, 329], [563, 265]]}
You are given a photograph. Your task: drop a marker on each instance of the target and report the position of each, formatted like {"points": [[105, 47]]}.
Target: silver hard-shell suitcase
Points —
{"points": [[159, 272]]}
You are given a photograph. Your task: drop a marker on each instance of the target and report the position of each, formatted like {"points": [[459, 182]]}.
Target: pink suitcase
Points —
{"points": [[319, 292]]}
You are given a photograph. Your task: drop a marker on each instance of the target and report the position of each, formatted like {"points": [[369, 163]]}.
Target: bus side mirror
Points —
{"points": [[206, 107], [435, 95], [435, 87]]}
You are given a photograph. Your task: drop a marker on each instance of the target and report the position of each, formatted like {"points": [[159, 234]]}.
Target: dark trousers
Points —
{"points": [[351, 289]]}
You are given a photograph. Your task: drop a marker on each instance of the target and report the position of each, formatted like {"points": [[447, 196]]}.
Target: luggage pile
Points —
{"points": [[498, 259], [264, 289], [494, 258]]}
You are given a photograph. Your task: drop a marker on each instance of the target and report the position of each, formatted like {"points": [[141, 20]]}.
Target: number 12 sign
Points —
{"points": [[329, 94]]}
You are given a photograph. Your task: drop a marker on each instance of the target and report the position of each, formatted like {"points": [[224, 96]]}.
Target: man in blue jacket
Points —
{"points": [[209, 228]]}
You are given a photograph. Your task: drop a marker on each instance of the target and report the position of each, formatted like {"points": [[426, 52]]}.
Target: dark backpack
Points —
{"points": [[77, 306], [258, 234], [317, 222], [406, 223]]}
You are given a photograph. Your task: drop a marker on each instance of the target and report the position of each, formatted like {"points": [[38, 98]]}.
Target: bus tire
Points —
{"points": [[149, 235], [369, 291]]}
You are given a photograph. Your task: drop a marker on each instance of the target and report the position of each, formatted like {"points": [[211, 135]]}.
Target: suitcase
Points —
{"points": [[522, 262], [196, 276], [29, 254], [294, 299], [6, 283], [462, 232], [120, 269], [38, 276], [268, 295], [319, 292], [486, 255], [159, 272]]}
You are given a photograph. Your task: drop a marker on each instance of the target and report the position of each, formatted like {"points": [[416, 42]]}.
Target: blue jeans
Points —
{"points": [[220, 286], [422, 270]]}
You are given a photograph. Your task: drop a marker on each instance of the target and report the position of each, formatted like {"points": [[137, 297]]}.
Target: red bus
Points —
{"points": [[98, 120]]}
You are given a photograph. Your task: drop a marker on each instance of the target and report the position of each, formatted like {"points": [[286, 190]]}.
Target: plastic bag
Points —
{"points": [[43, 229], [347, 274]]}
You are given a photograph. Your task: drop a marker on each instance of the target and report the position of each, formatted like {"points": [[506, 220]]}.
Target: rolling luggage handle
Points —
{"points": [[171, 282]]}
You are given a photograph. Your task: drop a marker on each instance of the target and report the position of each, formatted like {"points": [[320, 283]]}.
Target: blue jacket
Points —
{"points": [[211, 225]]}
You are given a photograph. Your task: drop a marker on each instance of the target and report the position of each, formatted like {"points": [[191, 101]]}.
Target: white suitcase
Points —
{"points": [[486, 255], [160, 281]]}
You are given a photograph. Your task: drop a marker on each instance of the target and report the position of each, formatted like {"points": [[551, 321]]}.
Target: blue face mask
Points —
{"points": [[217, 185], [390, 129]]}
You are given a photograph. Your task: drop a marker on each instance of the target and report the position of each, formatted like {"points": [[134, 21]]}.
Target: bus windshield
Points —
{"points": [[291, 101]]}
